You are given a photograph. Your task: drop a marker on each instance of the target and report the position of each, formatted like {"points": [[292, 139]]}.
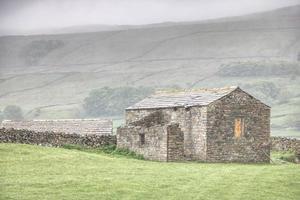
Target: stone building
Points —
{"points": [[209, 125]]}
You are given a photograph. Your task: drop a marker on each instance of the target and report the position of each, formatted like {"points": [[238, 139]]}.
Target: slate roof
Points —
{"points": [[199, 97], [69, 126]]}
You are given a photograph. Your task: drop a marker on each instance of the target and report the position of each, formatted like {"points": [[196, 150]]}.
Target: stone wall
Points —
{"points": [[175, 143], [155, 141], [54, 138], [157, 117], [222, 145], [79, 126], [162, 142], [192, 122], [285, 144]]}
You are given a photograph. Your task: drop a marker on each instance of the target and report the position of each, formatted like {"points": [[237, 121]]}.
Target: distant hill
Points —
{"points": [[260, 52]]}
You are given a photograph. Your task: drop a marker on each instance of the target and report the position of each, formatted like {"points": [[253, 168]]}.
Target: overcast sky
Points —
{"points": [[28, 15]]}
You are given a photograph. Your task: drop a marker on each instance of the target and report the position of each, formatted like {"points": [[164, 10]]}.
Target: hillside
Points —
{"points": [[35, 172], [54, 73]]}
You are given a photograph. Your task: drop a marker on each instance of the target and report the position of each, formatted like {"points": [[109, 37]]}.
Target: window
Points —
{"points": [[142, 138], [187, 108], [238, 127]]}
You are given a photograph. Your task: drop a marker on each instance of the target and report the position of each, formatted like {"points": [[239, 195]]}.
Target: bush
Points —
{"points": [[13, 112], [112, 101]]}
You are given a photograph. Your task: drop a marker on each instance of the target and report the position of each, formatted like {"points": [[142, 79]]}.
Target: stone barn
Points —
{"points": [[209, 125]]}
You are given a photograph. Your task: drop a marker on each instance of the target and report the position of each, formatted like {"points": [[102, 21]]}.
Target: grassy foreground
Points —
{"points": [[34, 172]]}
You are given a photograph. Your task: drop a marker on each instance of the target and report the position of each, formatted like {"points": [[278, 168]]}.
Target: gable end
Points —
{"points": [[238, 89]]}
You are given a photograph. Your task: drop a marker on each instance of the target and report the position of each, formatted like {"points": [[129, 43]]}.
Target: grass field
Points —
{"points": [[34, 172]]}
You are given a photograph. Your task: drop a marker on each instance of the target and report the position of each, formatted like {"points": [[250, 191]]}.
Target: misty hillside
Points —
{"points": [[259, 52]]}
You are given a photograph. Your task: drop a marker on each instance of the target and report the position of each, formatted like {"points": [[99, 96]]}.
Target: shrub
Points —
{"points": [[288, 157]]}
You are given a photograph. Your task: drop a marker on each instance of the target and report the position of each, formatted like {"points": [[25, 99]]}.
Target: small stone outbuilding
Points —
{"points": [[209, 125]]}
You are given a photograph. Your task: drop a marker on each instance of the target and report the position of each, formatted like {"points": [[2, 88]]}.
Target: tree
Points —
{"points": [[13, 112], [112, 101]]}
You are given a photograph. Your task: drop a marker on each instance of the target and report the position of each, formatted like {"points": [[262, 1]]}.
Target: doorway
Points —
{"points": [[175, 143]]}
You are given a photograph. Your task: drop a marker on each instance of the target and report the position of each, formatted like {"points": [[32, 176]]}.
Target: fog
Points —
{"points": [[27, 16]]}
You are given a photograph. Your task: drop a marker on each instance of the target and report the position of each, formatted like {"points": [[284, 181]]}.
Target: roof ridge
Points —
{"points": [[195, 90], [201, 97]]}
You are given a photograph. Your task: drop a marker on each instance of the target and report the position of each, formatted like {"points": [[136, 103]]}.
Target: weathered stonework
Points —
{"points": [[175, 143], [254, 145], [191, 121], [54, 138], [286, 144], [155, 145], [87, 132], [204, 128]]}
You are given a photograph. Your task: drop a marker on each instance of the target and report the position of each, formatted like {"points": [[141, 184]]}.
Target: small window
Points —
{"points": [[239, 127], [187, 108], [142, 139]]}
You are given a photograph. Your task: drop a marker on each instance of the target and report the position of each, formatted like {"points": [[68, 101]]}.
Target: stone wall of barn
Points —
{"points": [[222, 145], [175, 143], [155, 141], [160, 142], [192, 122]]}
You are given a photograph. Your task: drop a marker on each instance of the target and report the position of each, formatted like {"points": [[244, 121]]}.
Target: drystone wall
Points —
{"points": [[54, 138], [254, 145], [285, 144]]}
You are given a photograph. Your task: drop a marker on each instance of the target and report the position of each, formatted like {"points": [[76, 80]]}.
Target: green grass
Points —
{"points": [[286, 156], [34, 172], [111, 150]]}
